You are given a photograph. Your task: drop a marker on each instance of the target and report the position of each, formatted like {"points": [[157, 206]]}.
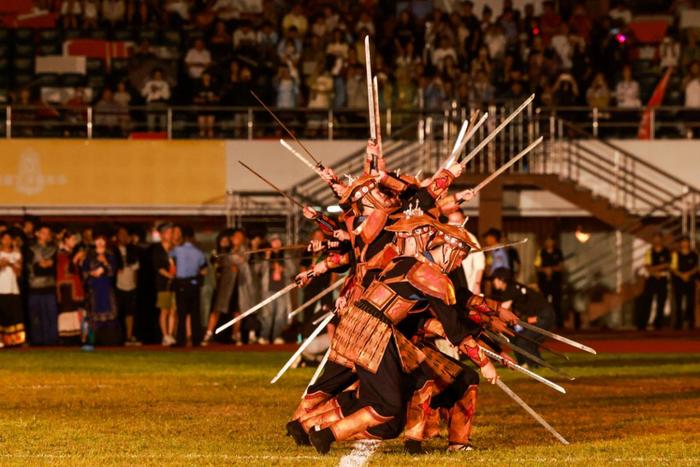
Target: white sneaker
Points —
{"points": [[263, 341], [165, 342], [169, 340], [278, 341]]}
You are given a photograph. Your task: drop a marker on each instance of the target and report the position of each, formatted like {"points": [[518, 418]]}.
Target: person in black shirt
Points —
{"points": [[684, 272], [530, 305], [656, 262], [548, 264]]}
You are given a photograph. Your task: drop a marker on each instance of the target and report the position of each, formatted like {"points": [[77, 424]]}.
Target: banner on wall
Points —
{"points": [[70, 173]]}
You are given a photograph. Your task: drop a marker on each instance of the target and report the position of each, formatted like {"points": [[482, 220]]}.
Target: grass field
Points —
{"points": [[217, 408]]}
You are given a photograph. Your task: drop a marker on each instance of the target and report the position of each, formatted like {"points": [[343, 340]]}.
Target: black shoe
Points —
{"points": [[296, 431], [413, 447], [322, 440]]}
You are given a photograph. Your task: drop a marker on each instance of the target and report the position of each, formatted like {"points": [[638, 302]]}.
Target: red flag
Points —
{"points": [[654, 101]]}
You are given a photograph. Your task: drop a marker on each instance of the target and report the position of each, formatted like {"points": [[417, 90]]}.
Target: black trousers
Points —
{"points": [[684, 299], [127, 305], [334, 379], [387, 391], [187, 299], [654, 287], [552, 290]]}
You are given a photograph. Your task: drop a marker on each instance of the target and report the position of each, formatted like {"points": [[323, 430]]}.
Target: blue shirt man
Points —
{"points": [[189, 260]]}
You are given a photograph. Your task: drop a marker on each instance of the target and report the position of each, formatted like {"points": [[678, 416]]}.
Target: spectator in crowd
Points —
{"points": [[656, 263], [245, 38], [691, 86], [114, 12], [99, 268], [12, 331], [127, 265], [276, 271], [190, 268], [164, 269], [530, 306], [598, 94], [550, 22], [71, 11], [669, 53], [90, 14], [246, 287], [620, 13], [627, 90], [549, 264], [317, 283], [482, 92], [321, 86], [290, 47], [205, 96], [69, 288], [156, 92], [220, 41], [443, 52], [691, 50], [497, 258], [43, 311], [295, 19], [225, 273], [684, 275], [434, 94], [287, 85], [238, 93], [108, 114], [197, 60]]}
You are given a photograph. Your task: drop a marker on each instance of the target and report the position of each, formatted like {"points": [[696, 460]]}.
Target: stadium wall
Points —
{"points": [[62, 176]]}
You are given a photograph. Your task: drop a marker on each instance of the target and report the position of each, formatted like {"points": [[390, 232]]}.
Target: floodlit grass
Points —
{"points": [[218, 408]]}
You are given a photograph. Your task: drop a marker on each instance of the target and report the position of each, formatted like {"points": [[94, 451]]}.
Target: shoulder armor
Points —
{"points": [[429, 279], [382, 259]]}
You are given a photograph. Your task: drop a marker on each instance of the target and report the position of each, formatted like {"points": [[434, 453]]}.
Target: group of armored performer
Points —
{"points": [[405, 321], [385, 373]]}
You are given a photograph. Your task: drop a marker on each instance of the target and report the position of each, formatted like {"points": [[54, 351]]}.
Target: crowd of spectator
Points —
{"points": [[119, 285], [311, 55], [109, 286]]}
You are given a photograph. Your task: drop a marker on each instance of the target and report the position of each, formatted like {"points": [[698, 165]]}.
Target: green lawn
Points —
{"points": [[203, 408]]}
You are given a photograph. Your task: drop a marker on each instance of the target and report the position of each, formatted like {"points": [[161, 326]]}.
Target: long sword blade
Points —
{"points": [[508, 164], [284, 127], [296, 154], [317, 373], [457, 145], [513, 366], [499, 246], [526, 354], [544, 347], [316, 297], [321, 318], [531, 411], [301, 348], [495, 132], [377, 114], [557, 337], [370, 92], [252, 310], [272, 185]]}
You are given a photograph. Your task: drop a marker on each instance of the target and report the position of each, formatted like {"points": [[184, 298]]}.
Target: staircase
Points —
{"points": [[632, 196]]}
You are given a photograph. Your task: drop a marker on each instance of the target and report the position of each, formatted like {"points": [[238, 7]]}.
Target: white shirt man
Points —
{"points": [[692, 93], [197, 60]]}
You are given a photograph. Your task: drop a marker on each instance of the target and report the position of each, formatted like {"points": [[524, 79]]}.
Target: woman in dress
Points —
{"points": [[99, 269], [11, 326], [69, 288]]}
